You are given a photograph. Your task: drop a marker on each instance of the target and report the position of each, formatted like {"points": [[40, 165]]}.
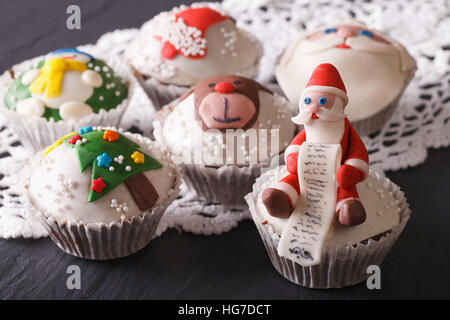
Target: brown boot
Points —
{"points": [[277, 203], [351, 213]]}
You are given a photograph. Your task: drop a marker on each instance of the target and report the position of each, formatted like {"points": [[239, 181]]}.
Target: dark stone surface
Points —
{"points": [[183, 266]]}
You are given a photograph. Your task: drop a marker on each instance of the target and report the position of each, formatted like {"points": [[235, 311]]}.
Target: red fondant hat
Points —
{"points": [[326, 78]]}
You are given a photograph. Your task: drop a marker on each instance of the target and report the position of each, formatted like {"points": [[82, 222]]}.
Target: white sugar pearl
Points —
{"points": [[101, 98], [111, 168], [128, 168]]}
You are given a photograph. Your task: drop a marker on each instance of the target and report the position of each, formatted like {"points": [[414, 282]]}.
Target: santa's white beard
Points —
{"points": [[372, 79], [324, 114]]}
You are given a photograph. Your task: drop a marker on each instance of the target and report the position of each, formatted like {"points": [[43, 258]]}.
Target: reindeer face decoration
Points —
{"points": [[226, 102]]}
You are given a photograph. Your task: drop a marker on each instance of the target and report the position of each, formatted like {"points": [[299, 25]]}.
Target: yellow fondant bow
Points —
{"points": [[51, 75]]}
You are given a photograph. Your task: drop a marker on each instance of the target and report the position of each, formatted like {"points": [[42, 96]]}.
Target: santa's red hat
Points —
{"points": [[326, 78]]}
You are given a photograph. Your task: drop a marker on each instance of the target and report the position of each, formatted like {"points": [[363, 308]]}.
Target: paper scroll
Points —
{"points": [[306, 230]]}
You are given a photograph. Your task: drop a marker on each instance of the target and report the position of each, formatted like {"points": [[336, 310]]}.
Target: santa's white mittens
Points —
{"points": [[362, 165], [92, 78], [74, 110], [31, 107], [29, 76]]}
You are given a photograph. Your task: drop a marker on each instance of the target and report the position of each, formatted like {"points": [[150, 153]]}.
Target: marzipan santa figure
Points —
{"points": [[321, 107]]}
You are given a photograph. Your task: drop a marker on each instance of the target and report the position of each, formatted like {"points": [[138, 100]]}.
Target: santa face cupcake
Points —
{"points": [[177, 49], [375, 68], [47, 96], [100, 193], [324, 218], [222, 133]]}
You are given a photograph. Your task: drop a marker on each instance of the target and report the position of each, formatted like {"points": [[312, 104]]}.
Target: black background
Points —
{"points": [[183, 266]]}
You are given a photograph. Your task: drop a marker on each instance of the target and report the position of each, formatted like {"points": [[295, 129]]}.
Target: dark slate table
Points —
{"points": [[183, 266]]}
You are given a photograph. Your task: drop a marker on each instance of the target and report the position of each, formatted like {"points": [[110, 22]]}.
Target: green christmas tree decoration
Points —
{"points": [[90, 146]]}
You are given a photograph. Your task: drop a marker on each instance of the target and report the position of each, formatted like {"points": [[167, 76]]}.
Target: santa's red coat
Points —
{"points": [[354, 154]]}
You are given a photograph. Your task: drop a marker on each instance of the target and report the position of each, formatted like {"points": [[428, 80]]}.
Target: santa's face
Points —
{"points": [[371, 66], [346, 37], [316, 105]]}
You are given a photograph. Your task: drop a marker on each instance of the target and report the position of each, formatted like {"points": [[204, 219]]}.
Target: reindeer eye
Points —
{"points": [[322, 100], [366, 33], [237, 82], [307, 100], [212, 85]]}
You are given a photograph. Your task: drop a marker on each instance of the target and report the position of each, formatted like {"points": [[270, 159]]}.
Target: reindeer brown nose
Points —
{"points": [[224, 87]]}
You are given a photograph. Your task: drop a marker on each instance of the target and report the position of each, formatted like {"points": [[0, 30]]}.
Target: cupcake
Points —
{"points": [[48, 96], [178, 48], [324, 218], [100, 193], [222, 133], [375, 68]]}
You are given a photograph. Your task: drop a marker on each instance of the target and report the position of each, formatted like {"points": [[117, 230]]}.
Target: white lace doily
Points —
{"points": [[421, 121]]}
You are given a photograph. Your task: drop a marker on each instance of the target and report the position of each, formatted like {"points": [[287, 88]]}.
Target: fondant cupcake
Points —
{"points": [[178, 48], [101, 192], [324, 217], [48, 96], [375, 68], [222, 133]]}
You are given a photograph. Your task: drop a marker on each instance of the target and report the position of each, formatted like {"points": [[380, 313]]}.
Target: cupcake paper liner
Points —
{"points": [[377, 121], [105, 241], [164, 93], [38, 133], [340, 266]]}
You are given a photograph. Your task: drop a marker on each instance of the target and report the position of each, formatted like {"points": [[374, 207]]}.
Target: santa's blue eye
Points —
{"points": [[307, 100], [329, 30], [322, 101], [366, 33]]}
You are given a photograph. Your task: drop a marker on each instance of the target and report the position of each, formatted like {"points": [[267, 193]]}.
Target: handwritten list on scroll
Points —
{"points": [[308, 225]]}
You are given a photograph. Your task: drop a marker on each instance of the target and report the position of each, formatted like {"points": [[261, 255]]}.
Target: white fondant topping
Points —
{"points": [[31, 107], [92, 78], [29, 76], [74, 110]]}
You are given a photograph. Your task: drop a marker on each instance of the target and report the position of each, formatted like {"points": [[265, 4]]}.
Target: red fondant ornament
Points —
{"points": [[98, 185]]}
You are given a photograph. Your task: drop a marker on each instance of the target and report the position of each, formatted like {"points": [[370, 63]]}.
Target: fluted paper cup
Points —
{"points": [[340, 266], [37, 133]]}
